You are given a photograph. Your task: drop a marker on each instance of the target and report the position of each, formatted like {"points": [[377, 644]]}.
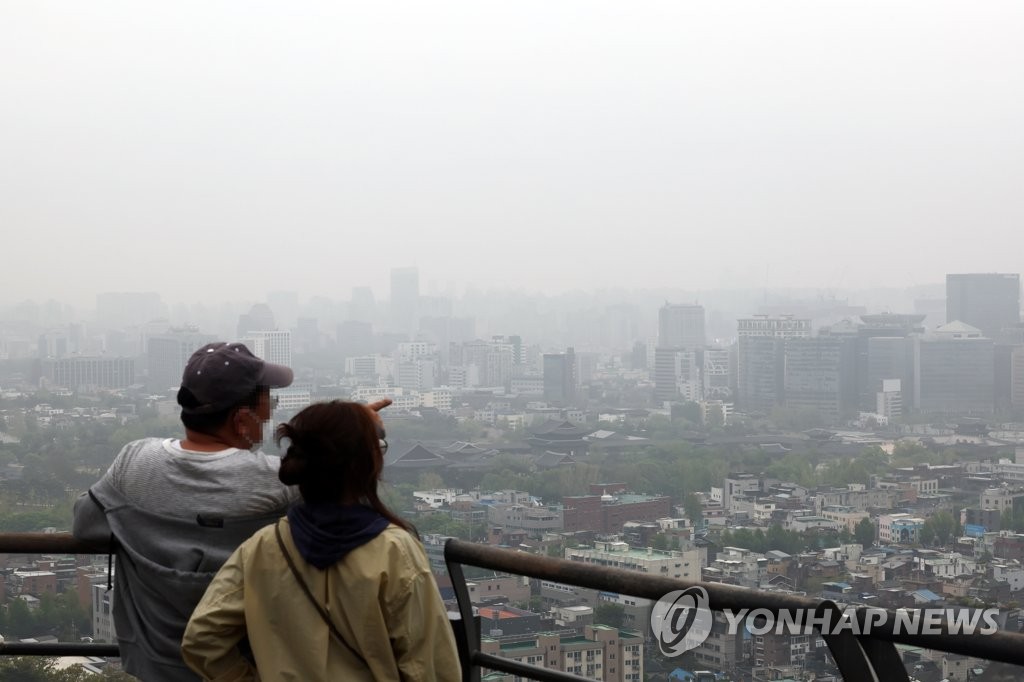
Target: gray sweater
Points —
{"points": [[164, 564]]}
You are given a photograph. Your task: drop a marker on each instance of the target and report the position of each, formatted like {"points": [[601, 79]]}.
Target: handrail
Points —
{"points": [[869, 657], [857, 656], [65, 543], [50, 543], [54, 543]]}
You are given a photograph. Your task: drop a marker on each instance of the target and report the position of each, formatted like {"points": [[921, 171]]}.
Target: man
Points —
{"points": [[179, 508]]}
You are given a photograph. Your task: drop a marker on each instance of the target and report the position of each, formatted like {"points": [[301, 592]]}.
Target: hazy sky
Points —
{"points": [[216, 150]]}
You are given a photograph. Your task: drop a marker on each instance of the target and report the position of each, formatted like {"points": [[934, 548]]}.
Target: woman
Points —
{"points": [[341, 589]]}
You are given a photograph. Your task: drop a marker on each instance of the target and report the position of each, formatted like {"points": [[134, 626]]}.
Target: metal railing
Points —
{"points": [[859, 657], [870, 657], [53, 543]]}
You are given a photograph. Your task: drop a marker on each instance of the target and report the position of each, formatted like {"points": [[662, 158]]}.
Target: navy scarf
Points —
{"points": [[324, 532]]}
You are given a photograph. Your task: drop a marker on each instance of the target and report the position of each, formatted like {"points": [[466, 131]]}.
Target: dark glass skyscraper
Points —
{"points": [[988, 301]]}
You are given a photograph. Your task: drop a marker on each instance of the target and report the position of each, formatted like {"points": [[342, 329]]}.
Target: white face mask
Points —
{"points": [[254, 446], [266, 429]]}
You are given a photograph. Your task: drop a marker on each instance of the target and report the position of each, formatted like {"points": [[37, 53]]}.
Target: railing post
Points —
{"points": [[469, 643]]}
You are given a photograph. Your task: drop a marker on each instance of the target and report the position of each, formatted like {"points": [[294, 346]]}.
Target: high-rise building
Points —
{"points": [[560, 377], [504, 360], [677, 375], [167, 354], [90, 373], [1017, 378], [889, 359], [405, 296], [717, 374], [53, 344], [272, 346], [259, 317], [760, 361], [680, 336], [814, 375], [954, 371], [889, 401], [681, 326], [988, 301]]}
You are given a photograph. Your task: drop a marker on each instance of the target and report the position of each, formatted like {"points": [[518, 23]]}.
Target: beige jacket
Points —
{"points": [[381, 596]]}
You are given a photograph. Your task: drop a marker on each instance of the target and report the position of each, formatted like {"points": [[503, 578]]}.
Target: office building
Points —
{"points": [[814, 375], [167, 355], [1017, 378], [560, 377], [717, 375], [761, 359], [988, 301], [272, 346], [954, 371], [87, 374], [889, 401], [259, 317], [885, 350], [681, 326], [677, 375]]}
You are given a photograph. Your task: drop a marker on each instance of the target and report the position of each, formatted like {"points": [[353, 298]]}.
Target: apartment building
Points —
{"points": [[600, 653], [685, 565]]}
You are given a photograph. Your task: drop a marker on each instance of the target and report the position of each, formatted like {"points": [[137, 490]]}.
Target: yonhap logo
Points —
{"points": [[681, 620]]}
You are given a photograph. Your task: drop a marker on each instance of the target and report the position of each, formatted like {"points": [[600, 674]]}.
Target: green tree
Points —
{"points": [[610, 614], [693, 508], [926, 534], [429, 480], [794, 467], [908, 452], [1006, 519], [20, 622], [944, 526], [864, 532]]}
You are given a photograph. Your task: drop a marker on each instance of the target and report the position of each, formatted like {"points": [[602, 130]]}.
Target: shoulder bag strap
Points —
{"points": [[312, 600]]}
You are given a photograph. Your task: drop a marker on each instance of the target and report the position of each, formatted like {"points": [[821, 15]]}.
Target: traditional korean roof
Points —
{"points": [[416, 457], [553, 429]]}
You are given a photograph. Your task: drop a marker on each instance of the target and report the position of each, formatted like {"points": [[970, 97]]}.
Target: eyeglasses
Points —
{"points": [[383, 446]]}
